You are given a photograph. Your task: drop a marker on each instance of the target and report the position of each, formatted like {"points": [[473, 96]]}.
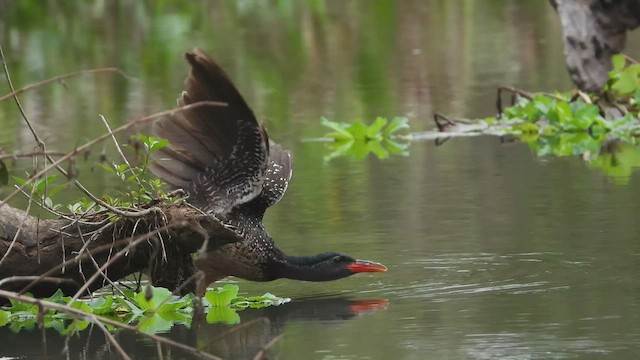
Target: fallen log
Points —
{"points": [[84, 254]]}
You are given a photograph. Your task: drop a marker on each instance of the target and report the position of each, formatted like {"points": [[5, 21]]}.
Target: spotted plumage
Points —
{"points": [[228, 166]]}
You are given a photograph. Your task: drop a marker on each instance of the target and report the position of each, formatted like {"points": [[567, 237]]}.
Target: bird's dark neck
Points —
{"points": [[302, 268]]}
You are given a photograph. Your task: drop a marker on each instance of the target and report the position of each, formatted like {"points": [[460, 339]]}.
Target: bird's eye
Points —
{"points": [[337, 259]]}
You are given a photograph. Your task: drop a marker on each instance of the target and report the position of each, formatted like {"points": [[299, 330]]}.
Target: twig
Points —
{"points": [[159, 350], [112, 340], [44, 206], [95, 263], [115, 257], [31, 154], [437, 117], [62, 77], [511, 89], [54, 280], [115, 141], [24, 218], [630, 59]]}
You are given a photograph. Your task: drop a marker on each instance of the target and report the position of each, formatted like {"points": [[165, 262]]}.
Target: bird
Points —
{"points": [[222, 158]]}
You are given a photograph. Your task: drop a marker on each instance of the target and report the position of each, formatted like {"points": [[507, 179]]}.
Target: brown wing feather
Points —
{"points": [[218, 154]]}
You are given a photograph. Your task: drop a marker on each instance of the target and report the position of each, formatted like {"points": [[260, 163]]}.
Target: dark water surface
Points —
{"points": [[492, 253]]}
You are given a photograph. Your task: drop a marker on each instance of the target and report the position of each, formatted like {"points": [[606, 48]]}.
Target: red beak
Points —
{"points": [[366, 266]]}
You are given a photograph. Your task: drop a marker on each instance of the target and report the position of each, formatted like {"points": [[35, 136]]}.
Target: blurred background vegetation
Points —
{"points": [[296, 61]]}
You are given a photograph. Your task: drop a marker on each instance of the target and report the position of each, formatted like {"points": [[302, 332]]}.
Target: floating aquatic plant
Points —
{"points": [[601, 128], [154, 309], [358, 140]]}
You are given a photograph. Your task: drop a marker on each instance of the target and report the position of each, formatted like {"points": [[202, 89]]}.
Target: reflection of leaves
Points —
{"points": [[222, 314], [154, 324], [563, 144], [396, 125], [619, 163], [360, 149]]}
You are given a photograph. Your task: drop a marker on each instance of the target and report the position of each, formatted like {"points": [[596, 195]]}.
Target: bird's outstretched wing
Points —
{"points": [[275, 184], [218, 154]]}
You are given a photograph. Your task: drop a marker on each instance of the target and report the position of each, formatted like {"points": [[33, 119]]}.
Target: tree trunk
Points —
{"points": [[593, 30], [41, 246]]}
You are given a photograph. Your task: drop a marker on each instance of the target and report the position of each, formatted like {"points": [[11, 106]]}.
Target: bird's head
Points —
{"points": [[326, 266]]}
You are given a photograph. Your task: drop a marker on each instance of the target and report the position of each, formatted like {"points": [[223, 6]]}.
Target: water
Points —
{"points": [[492, 253]]}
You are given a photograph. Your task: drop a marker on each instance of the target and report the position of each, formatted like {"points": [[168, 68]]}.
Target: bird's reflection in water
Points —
{"points": [[259, 329]]}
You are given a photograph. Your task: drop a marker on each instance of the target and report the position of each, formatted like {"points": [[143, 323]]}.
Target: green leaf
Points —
{"points": [[627, 81], [543, 104], [374, 130], [560, 114], [157, 145], [83, 306], [48, 202], [340, 129], [4, 317], [59, 298], [19, 306], [107, 168], [20, 181], [222, 296], [158, 296], [397, 124], [102, 305], [358, 131], [618, 62], [584, 115]]}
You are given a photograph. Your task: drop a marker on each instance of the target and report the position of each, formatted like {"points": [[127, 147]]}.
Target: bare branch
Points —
{"points": [[65, 76]]}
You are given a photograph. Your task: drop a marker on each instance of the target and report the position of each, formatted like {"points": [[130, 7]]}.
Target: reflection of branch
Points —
{"points": [[238, 327], [262, 354]]}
